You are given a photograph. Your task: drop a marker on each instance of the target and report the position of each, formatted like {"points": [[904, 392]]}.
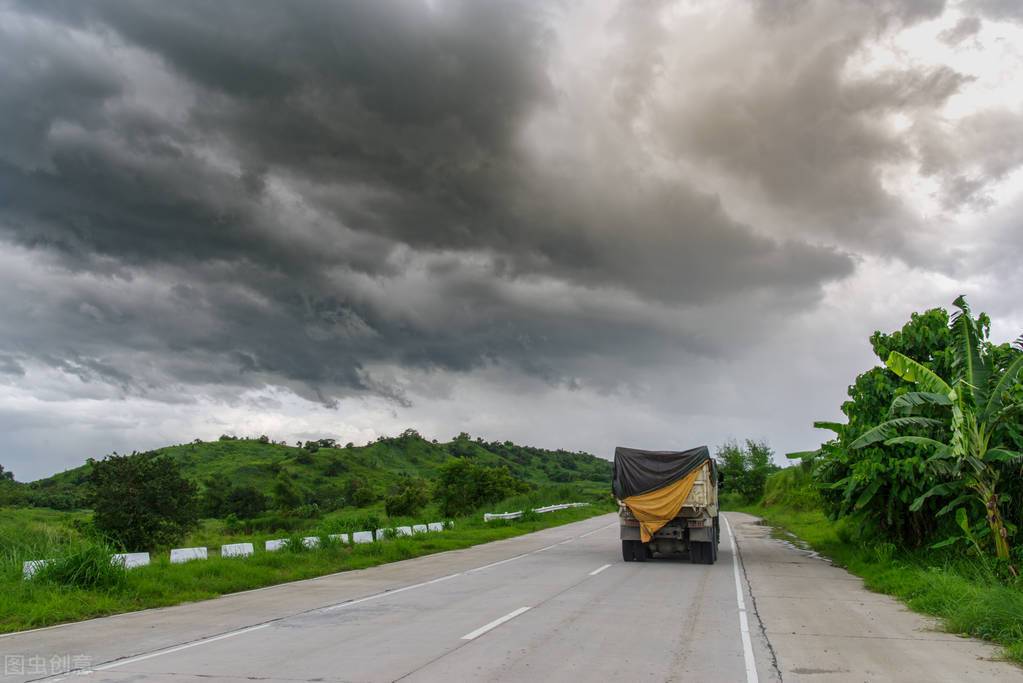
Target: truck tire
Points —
{"points": [[717, 531], [640, 551], [701, 552], [627, 550]]}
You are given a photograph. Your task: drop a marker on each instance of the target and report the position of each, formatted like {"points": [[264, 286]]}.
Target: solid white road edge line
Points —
{"points": [[590, 533], [494, 624], [747, 644], [599, 569]]}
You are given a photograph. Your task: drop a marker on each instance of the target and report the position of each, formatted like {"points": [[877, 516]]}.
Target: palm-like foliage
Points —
{"points": [[974, 405]]}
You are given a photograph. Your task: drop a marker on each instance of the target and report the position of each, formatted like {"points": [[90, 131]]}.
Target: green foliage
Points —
{"points": [[409, 497], [87, 566], [930, 433], [142, 501], [743, 469], [286, 495], [464, 486]]}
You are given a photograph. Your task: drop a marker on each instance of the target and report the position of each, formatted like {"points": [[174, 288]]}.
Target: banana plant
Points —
{"points": [[963, 448]]}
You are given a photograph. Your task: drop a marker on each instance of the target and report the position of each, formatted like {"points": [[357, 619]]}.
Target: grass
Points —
{"points": [[74, 588], [959, 589]]}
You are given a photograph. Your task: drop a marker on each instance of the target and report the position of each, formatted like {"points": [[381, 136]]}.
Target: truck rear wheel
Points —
{"points": [[701, 552], [642, 551]]}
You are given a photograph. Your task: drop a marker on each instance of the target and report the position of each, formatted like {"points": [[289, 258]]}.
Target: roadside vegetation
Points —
{"points": [[253, 490], [920, 492]]}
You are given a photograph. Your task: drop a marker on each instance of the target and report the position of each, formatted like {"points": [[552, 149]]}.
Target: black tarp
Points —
{"points": [[637, 471]]}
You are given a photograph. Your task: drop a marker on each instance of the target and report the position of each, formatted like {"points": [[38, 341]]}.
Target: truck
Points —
{"points": [[667, 503]]}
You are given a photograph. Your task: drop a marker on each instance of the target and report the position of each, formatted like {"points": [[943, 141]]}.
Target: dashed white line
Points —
{"points": [[590, 533], [599, 569], [494, 624], [747, 644]]}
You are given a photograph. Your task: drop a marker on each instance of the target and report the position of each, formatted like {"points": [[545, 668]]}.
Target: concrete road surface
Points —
{"points": [[557, 605]]}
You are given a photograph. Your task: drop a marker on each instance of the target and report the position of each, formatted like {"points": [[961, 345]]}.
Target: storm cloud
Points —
{"points": [[405, 205]]}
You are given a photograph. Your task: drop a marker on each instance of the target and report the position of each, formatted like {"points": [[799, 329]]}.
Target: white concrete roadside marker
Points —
{"points": [[343, 538], [747, 644], [435, 526], [402, 531], [362, 537], [236, 550], [180, 555], [311, 541], [275, 544], [381, 534], [599, 569], [473, 635], [420, 528], [29, 569], [130, 560]]}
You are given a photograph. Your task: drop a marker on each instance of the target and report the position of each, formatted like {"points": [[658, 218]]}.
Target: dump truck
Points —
{"points": [[667, 503]]}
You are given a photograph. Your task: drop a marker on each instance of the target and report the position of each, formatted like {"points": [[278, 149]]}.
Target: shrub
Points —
{"points": [[88, 566], [744, 469], [410, 496], [142, 501], [360, 494], [246, 501], [464, 486]]}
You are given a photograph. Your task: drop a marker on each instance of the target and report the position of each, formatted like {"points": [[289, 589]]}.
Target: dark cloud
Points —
{"points": [[964, 28], [331, 197]]}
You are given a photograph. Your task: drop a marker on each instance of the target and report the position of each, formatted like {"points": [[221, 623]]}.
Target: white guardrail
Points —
{"points": [[490, 516], [181, 555]]}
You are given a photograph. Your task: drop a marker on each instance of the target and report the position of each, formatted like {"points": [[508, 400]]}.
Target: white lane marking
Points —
{"points": [[599, 569], [179, 648], [747, 644], [544, 548], [494, 564], [383, 594], [494, 624], [590, 533]]}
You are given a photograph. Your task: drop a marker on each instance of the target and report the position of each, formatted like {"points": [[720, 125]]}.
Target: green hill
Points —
{"points": [[326, 473]]}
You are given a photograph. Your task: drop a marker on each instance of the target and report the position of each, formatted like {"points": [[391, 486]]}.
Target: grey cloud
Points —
{"points": [[201, 197], [964, 28]]}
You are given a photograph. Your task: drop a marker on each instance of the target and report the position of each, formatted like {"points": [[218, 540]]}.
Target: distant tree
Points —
{"points": [[264, 438], [216, 489], [246, 501], [408, 497], [305, 457], [744, 468], [360, 494], [142, 501], [6, 474], [286, 494], [349, 445], [463, 486], [335, 466]]}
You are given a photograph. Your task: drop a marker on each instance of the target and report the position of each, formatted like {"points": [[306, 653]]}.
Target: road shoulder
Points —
{"points": [[820, 622]]}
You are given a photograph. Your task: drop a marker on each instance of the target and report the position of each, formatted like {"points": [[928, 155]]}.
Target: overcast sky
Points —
{"points": [[574, 225]]}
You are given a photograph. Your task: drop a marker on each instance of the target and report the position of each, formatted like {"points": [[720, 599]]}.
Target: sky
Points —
{"points": [[571, 225]]}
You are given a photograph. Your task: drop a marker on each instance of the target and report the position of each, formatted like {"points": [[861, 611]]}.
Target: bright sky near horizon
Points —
{"points": [[570, 225]]}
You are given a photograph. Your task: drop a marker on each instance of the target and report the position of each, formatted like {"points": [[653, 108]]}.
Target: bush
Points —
{"points": [[360, 494], [464, 486], [141, 501], [743, 470], [410, 496], [246, 501], [86, 567]]}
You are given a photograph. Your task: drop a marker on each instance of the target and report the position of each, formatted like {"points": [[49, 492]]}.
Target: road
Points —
{"points": [[555, 605]]}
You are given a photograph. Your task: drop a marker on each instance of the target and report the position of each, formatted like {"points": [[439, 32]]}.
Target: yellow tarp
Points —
{"points": [[656, 508]]}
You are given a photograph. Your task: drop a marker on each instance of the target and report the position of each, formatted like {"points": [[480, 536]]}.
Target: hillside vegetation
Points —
{"points": [[325, 474]]}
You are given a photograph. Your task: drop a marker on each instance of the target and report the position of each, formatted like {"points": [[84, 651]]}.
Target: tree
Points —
{"points": [[142, 501], [966, 431], [744, 469], [409, 496], [6, 474], [286, 494], [359, 493], [216, 489], [245, 501], [464, 486]]}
